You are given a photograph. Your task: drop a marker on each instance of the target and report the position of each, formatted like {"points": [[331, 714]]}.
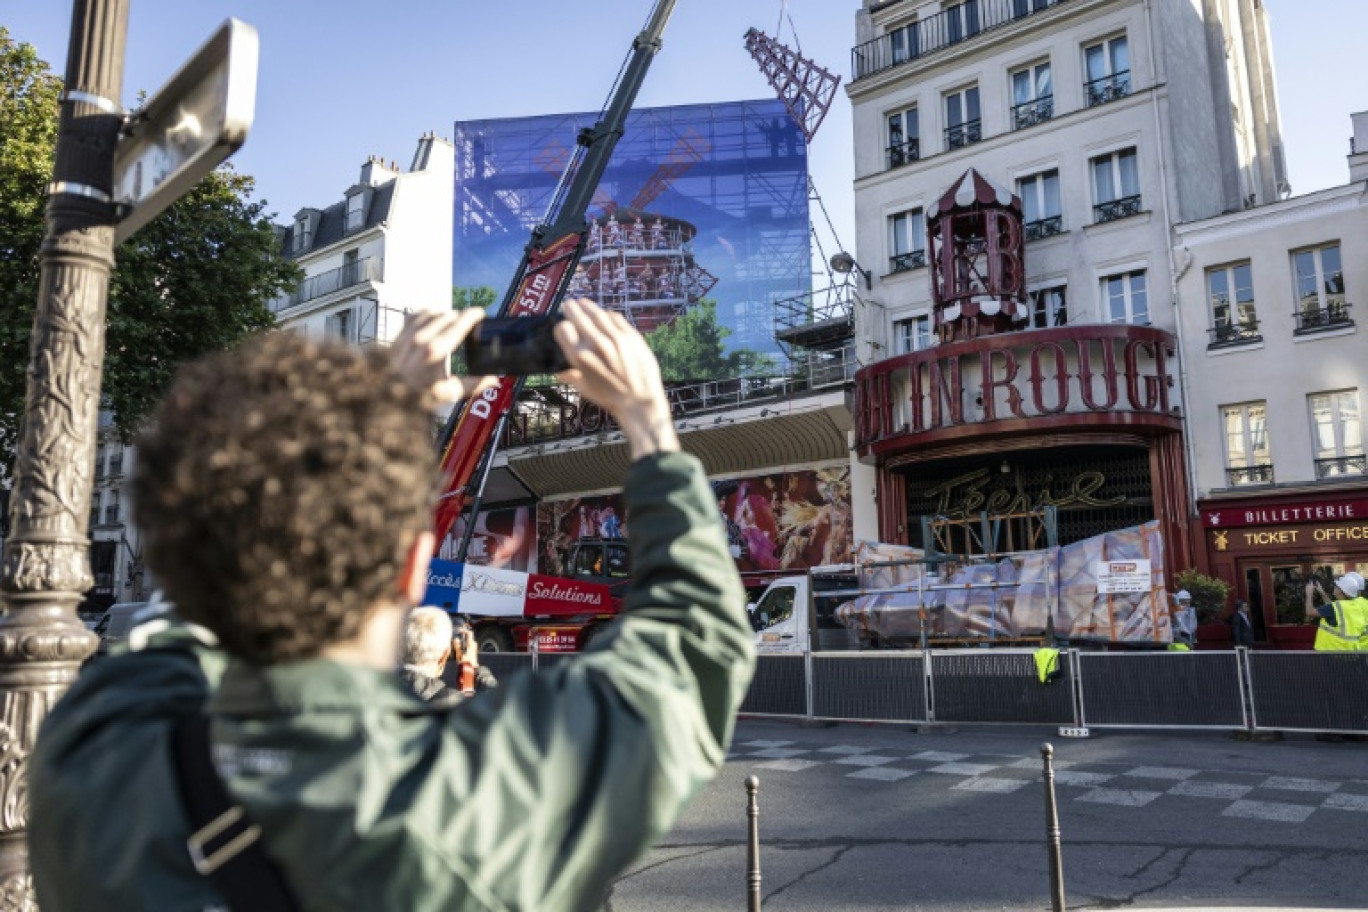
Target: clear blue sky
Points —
{"points": [[342, 79]]}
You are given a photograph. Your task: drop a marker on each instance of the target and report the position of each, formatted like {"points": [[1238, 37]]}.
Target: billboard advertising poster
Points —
{"points": [[775, 522], [505, 539], [483, 591], [699, 224]]}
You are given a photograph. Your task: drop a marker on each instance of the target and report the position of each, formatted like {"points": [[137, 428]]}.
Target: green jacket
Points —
{"points": [[532, 796]]}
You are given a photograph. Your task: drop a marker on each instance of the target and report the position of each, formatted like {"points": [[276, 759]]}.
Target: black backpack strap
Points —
{"points": [[225, 846]]}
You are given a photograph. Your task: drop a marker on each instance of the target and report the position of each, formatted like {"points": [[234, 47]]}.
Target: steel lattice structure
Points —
{"points": [[805, 88]]}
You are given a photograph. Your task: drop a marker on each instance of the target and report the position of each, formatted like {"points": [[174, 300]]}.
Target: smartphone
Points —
{"points": [[514, 345]]}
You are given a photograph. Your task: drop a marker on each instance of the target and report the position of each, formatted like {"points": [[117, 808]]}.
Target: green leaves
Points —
{"points": [[195, 280], [692, 348]]}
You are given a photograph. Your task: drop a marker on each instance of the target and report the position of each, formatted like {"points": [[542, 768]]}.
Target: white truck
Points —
{"points": [[795, 611]]}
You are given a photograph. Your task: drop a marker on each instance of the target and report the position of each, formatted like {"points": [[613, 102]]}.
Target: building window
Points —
{"points": [[1248, 460], [1337, 434], [906, 241], [1040, 204], [1231, 292], [116, 461], [1320, 289], [99, 463], [904, 133], [111, 510], [300, 240], [94, 509], [963, 126], [356, 212], [1026, 7], [961, 20], [914, 335], [1116, 185], [1107, 65], [1032, 96], [1049, 308], [903, 42], [339, 326], [1124, 299]]}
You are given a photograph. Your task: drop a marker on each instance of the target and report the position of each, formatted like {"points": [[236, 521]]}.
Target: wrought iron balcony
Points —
{"points": [[1250, 475], [1115, 209], [326, 283], [1320, 319], [1108, 88], [1224, 334], [902, 262], [903, 153], [1030, 113], [935, 33], [1336, 466], [1043, 228], [966, 134]]}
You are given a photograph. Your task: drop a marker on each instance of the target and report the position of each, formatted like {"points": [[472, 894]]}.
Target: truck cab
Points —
{"points": [[606, 561], [783, 616]]}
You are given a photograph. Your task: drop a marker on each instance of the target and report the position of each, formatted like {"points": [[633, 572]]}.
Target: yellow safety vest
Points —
{"points": [[1047, 665], [1349, 633]]}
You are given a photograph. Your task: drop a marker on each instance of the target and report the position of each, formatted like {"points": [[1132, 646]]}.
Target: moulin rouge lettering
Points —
{"points": [[560, 593], [966, 495], [1041, 379]]}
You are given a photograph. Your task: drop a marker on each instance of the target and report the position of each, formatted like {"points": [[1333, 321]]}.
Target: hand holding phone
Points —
{"points": [[515, 346]]}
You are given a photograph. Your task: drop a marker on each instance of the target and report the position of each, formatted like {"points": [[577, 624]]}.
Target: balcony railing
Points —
{"points": [[966, 134], [1242, 333], [1030, 113], [935, 33], [1043, 228], [325, 283], [902, 262], [1115, 209], [903, 153], [1320, 319], [1336, 466], [1108, 88], [1250, 475]]}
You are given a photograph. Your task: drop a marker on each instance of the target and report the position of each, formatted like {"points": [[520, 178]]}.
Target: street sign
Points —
{"points": [[198, 119]]}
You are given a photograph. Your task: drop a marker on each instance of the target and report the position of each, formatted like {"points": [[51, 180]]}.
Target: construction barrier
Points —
{"points": [[869, 686], [1160, 689], [779, 687], [999, 685], [1309, 691]]}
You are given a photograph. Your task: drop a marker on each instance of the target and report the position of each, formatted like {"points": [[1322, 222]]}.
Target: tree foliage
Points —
{"points": [[693, 347], [481, 296], [1209, 594], [195, 280]]}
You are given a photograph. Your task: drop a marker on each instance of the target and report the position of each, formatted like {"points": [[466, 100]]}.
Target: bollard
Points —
{"points": [[1052, 832], [753, 844]]}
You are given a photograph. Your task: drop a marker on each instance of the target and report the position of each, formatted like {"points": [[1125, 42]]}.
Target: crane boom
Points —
{"points": [[470, 436]]}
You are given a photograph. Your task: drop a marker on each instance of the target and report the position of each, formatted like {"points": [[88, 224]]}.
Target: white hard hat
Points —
{"points": [[1182, 595], [1351, 584]]}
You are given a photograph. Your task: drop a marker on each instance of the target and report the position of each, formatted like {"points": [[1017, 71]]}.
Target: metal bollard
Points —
{"points": [[1052, 831], [753, 845]]}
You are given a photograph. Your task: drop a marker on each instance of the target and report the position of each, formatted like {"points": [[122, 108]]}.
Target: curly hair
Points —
{"points": [[279, 488]]}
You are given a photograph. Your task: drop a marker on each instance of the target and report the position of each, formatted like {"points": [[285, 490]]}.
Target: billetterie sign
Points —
{"points": [[495, 592]]}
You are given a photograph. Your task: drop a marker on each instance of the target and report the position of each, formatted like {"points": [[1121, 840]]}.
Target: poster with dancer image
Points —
{"points": [[775, 522], [506, 539]]}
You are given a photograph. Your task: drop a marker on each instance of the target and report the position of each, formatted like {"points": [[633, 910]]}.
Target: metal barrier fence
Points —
{"points": [[1288, 691], [1310, 691], [1284, 691]]}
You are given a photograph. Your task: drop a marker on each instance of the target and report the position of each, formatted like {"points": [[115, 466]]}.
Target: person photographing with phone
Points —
{"points": [[433, 640], [286, 492]]}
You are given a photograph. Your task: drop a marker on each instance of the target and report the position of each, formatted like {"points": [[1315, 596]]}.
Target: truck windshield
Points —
{"points": [[775, 608]]}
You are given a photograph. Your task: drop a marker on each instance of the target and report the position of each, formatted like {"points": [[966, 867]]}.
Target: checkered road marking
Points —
{"points": [[1241, 795]]}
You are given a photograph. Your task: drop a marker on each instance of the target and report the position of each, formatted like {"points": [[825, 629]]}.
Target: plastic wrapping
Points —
{"points": [[1015, 597]]}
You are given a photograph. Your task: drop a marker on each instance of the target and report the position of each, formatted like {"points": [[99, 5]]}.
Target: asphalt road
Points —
{"points": [[871, 818]]}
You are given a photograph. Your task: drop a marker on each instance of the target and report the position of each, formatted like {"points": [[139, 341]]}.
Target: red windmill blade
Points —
{"points": [[805, 88]]}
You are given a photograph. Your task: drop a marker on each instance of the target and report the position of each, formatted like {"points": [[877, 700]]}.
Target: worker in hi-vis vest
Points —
{"points": [[1344, 620]]}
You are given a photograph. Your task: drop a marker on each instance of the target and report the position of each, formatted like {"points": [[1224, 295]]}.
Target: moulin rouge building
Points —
{"points": [[1020, 166]]}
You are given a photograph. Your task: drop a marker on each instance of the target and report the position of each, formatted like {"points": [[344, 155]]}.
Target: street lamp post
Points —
{"points": [[45, 568]]}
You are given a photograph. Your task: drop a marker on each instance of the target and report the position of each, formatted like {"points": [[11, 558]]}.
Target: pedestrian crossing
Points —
{"points": [[1252, 796]]}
